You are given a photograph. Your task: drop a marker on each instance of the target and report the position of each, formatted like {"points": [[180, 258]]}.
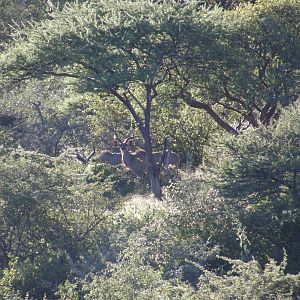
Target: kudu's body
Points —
{"points": [[171, 157], [138, 162], [110, 158], [105, 157], [131, 161]]}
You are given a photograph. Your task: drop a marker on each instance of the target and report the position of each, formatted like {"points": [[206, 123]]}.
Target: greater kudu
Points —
{"points": [[131, 161], [105, 157], [110, 158], [138, 162]]}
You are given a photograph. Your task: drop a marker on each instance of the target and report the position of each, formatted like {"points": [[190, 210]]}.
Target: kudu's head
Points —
{"points": [[124, 147], [131, 160]]}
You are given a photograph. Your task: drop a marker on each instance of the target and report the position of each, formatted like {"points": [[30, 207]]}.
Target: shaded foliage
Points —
{"points": [[73, 78], [261, 172]]}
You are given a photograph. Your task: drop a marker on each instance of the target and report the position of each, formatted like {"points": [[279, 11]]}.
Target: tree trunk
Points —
{"points": [[155, 182], [4, 263], [153, 169]]}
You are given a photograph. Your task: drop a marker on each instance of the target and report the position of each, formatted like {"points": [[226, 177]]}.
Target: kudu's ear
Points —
{"points": [[116, 139]]}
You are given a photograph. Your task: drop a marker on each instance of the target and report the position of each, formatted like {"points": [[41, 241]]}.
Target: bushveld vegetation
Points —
{"points": [[216, 82]]}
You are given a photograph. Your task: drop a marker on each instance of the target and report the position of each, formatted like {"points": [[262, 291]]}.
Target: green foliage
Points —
{"points": [[245, 64], [50, 37], [27, 203], [103, 117], [201, 212], [16, 12], [260, 173], [47, 216], [264, 164], [69, 230], [67, 290], [147, 251], [132, 280], [119, 47], [250, 281], [114, 181], [147, 235], [6, 281], [145, 268], [267, 33], [189, 130], [42, 274], [35, 117]]}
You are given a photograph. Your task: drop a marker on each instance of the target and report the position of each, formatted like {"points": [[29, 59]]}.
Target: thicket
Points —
{"points": [[220, 82]]}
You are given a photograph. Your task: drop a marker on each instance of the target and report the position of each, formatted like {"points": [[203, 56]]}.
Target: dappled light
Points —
{"points": [[149, 149]]}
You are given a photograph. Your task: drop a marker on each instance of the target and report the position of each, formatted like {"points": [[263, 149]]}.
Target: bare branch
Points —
{"points": [[229, 107], [134, 98], [91, 154], [81, 158], [232, 97], [128, 105], [197, 104], [56, 144], [37, 107]]}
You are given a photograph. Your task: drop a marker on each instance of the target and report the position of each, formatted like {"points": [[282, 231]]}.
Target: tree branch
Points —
{"points": [[164, 154], [229, 107], [197, 104], [134, 98], [128, 105], [233, 98], [37, 107]]}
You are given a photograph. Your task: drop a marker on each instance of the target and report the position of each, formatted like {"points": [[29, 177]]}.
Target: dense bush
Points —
{"points": [[201, 211], [146, 229], [250, 281], [221, 83], [132, 280], [260, 173], [47, 216], [114, 180], [146, 266]]}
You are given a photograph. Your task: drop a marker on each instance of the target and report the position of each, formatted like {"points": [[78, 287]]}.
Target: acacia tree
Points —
{"points": [[251, 69], [114, 48], [121, 50]]}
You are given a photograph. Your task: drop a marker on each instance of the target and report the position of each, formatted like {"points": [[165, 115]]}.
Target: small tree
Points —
{"points": [[118, 49]]}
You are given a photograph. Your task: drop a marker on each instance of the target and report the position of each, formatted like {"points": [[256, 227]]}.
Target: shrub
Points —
{"points": [[248, 280]]}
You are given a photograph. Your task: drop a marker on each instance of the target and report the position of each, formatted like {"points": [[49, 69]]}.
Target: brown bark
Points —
{"points": [[4, 263], [252, 119], [155, 181], [197, 104], [267, 113], [153, 170], [152, 166]]}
